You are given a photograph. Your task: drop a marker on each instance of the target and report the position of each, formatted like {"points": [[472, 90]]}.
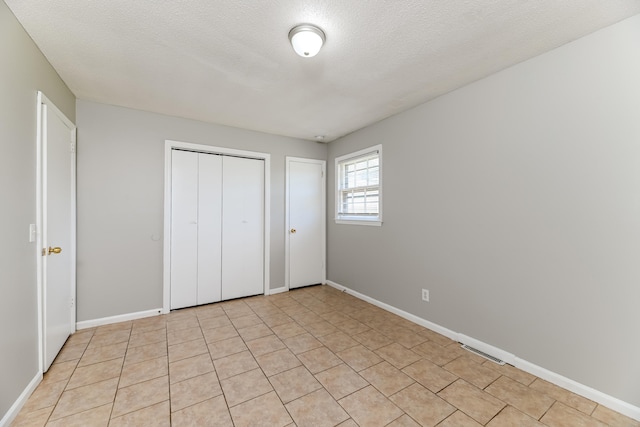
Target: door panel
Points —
{"points": [[209, 228], [306, 223], [58, 231], [242, 227], [184, 228]]}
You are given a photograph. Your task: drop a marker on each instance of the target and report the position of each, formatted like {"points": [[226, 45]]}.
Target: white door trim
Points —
{"points": [[40, 204], [287, 227], [168, 146]]}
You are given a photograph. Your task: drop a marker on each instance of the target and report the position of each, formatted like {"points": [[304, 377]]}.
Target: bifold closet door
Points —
{"points": [[242, 227], [184, 229], [196, 211], [217, 228], [209, 228]]}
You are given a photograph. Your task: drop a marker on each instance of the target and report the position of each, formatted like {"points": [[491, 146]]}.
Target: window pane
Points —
{"points": [[360, 202], [361, 173], [350, 180], [361, 178], [374, 174]]}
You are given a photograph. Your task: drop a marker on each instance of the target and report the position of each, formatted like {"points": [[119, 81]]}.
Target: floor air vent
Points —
{"points": [[483, 354]]}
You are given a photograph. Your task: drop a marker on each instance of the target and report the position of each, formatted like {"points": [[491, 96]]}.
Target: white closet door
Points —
{"points": [[209, 228], [184, 229], [242, 225]]}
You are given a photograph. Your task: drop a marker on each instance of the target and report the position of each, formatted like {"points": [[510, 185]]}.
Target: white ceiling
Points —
{"points": [[230, 61]]}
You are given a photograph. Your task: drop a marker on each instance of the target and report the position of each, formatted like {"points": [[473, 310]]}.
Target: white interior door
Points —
{"points": [[305, 222], [184, 229], [209, 228], [57, 144], [242, 227]]}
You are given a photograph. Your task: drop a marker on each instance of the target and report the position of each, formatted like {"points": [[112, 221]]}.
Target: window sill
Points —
{"points": [[359, 221]]}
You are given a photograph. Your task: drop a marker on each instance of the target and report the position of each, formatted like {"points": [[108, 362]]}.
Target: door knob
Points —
{"points": [[293, 231], [55, 250]]}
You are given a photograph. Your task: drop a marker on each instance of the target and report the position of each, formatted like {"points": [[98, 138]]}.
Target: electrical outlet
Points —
{"points": [[425, 295]]}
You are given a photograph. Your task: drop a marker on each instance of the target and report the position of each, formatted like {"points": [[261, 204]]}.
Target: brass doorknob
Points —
{"points": [[293, 231], [55, 250]]}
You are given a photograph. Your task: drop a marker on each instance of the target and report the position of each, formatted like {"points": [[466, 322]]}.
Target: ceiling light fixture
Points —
{"points": [[306, 40]]}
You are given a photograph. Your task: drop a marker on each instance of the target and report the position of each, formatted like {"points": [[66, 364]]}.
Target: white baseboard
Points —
{"points": [[279, 290], [12, 413], [86, 324], [597, 396], [411, 317], [603, 399]]}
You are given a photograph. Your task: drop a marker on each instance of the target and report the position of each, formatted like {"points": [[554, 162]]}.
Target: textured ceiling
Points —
{"points": [[230, 61]]}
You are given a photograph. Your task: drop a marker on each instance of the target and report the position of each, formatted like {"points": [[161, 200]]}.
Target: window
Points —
{"points": [[359, 187]]}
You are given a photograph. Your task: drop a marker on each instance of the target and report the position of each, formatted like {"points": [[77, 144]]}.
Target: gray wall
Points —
{"points": [[23, 72], [516, 201], [120, 201]]}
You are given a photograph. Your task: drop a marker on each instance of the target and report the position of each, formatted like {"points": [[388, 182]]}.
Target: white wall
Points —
{"points": [[516, 201], [23, 71], [120, 201]]}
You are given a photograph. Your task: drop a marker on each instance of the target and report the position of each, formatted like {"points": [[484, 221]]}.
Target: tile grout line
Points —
{"points": [[113, 403], [71, 375], [166, 337], [224, 396]]}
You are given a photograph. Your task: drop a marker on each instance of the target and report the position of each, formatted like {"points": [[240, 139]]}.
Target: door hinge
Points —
{"points": [[72, 302], [72, 147], [321, 174]]}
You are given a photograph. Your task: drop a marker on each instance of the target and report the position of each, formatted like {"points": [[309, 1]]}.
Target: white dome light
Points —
{"points": [[306, 40]]}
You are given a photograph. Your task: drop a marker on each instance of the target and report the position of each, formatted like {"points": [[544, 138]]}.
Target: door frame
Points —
{"points": [[323, 164], [201, 148], [41, 177]]}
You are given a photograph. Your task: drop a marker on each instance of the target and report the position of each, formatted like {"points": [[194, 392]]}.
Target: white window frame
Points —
{"points": [[356, 219]]}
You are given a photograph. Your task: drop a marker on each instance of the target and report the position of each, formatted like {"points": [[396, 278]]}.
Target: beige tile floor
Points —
{"points": [[309, 357]]}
